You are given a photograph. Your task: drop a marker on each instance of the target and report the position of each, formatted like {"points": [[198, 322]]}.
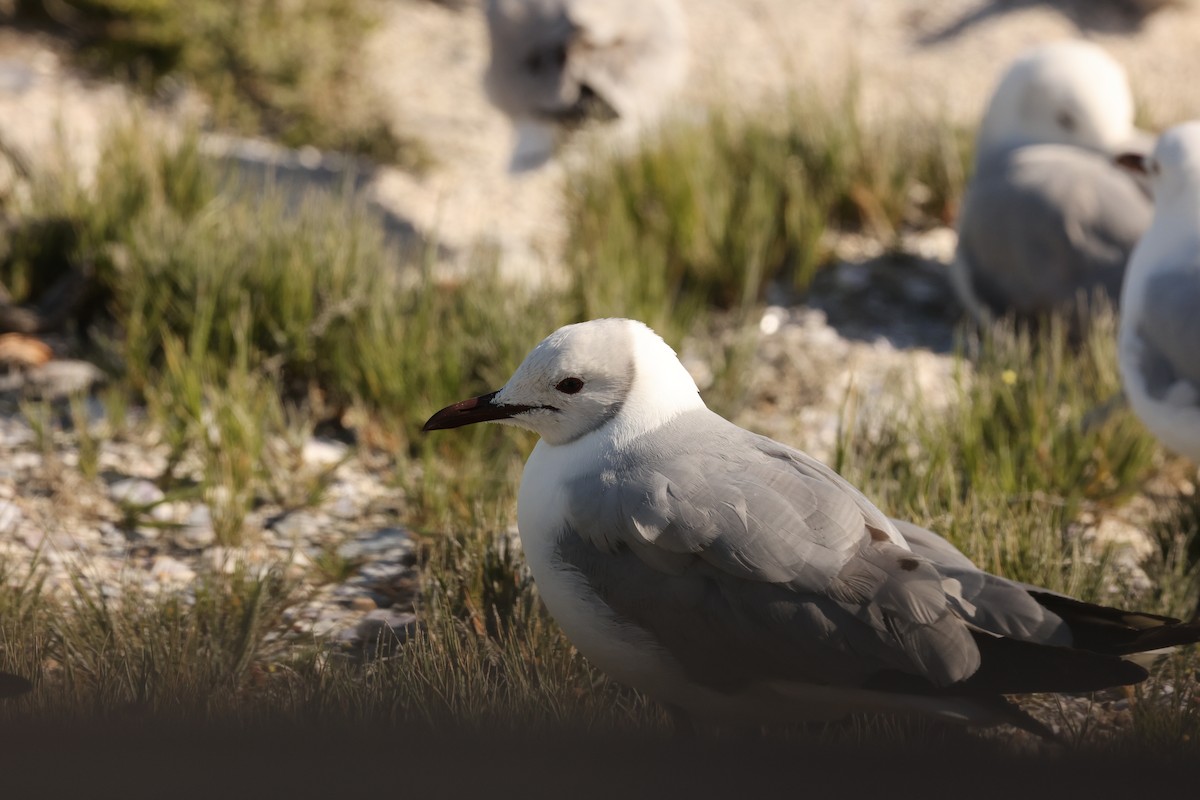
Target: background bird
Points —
{"points": [[735, 577], [557, 64], [1159, 334], [1047, 214]]}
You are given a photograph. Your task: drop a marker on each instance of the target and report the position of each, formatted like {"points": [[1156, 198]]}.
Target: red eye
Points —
{"points": [[569, 385]]}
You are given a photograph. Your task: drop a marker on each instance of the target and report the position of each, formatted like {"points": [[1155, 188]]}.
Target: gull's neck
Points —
{"points": [[1172, 238], [662, 389]]}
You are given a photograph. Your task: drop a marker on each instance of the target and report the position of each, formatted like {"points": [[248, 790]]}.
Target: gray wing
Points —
{"points": [[1041, 223], [1169, 326], [1026, 613], [794, 573], [993, 604]]}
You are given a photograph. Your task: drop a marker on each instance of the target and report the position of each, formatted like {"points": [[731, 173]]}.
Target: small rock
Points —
{"points": [[167, 512], [345, 508], [197, 531], [852, 277], [319, 452], [10, 516], [170, 570], [386, 627], [297, 525], [135, 492], [61, 378], [147, 533], [363, 603], [326, 623], [772, 320], [23, 462], [23, 351], [1115, 532], [391, 542], [255, 559]]}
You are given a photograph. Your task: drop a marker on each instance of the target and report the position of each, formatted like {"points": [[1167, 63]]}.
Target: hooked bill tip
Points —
{"points": [[1135, 162]]}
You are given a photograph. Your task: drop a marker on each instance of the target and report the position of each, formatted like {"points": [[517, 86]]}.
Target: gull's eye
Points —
{"points": [[1066, 121], [569, 385]]}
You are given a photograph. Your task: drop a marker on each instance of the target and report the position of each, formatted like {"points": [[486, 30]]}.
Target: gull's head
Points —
{"points": [[1174, 168], [531, 73], [604, 374], [1070, 93]]}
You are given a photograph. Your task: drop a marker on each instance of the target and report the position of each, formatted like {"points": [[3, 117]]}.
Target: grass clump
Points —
{"points": [[1029, 424], [708, 215], [307, 289], [289, 70], [704, 216], [240, 318], [157, 654], [1006, 469]]}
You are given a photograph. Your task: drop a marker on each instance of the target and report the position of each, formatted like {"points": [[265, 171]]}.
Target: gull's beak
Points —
{"points": [[1134, 162], [478, 409]]}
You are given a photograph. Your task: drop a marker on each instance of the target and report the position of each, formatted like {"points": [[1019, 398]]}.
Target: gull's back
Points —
{"points": [[1043, 223]]}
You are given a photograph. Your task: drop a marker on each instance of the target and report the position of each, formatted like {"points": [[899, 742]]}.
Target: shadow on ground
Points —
{"points": [[1098, 16], [903, 299]]}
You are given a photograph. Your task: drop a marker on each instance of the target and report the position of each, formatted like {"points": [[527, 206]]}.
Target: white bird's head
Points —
{"points": [[1174, 168], [583, 378], [1069, 92], [533, 76]]}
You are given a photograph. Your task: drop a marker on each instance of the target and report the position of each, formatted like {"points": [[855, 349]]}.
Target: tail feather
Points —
{"points": [[1013, 666], [1111, 631]]}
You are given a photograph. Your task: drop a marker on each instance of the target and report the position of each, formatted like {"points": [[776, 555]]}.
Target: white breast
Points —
{"points": [[625, 652]]}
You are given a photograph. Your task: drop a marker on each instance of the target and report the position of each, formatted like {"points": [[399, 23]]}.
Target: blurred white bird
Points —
{"points": [[556, 64], [1047, 214], [734, 577], [1159, 335]]}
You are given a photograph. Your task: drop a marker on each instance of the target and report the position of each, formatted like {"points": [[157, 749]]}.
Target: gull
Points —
{"points": [[1159, 331], [736, 578], [556, 64], [1047, 214]]}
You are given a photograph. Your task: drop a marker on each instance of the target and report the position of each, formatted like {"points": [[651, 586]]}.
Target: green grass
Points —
{"points": [[709, 214], [289, 70], [238, 318], [1006, 470]]}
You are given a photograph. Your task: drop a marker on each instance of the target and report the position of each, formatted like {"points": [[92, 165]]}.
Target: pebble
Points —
{"points": [[363, 603], [197, 532], [387, 626], [10, 517], [135, 492], [298, 525], [320, 452], [61, 378], [393, 543], [166, 569]]}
